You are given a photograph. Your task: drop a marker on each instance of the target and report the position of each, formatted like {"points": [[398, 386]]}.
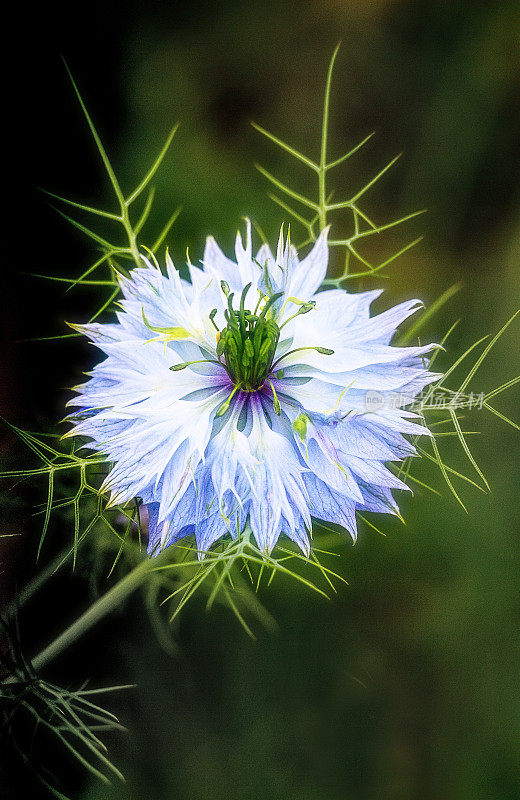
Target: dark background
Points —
{"points": [[406, 684]]}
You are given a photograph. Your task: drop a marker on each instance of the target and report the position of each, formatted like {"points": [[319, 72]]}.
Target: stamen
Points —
{"points": [[276, 402], [297, 302], [269, 303], [225, 405], [304, 309], [325, 351], [184, 364], [212, 314]]}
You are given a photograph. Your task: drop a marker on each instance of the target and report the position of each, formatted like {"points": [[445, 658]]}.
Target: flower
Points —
{"points": [[239, 398]]}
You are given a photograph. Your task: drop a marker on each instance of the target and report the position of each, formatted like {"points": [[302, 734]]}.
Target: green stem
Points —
{"points": [[103, 606], [36, 583], [322, 192], [132, 239]]}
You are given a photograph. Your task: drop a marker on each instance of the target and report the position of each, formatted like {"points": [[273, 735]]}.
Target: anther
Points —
{"points": [[325, 351], [212, 315], [225, 405]]}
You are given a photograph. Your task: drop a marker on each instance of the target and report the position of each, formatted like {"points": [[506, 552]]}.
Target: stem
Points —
{"points": [[132, 240], [32, 587], [322, 196], [103, 606]]}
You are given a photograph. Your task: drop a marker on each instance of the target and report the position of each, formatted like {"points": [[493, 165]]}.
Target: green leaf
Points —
{"points": [[484, 354], [99, 212], [95, 135], [350, 153], [153, 169], [287, 190], [286, 147], [91, 234], [163, 234], [429, 313]]}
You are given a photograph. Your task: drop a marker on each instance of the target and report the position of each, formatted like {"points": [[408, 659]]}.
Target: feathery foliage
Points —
{"points": [[110, 538], [313, 214], [115, 255], [71, 717], [442, 400]]}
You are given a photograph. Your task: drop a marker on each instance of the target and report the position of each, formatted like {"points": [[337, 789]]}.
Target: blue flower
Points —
{"points": [[247, 397]]}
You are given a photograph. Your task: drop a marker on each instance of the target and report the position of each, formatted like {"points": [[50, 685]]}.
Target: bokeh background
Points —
{"points": [[406, 685]]}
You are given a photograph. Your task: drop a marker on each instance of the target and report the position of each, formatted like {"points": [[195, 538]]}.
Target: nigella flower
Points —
{"points": [[239, 398]]}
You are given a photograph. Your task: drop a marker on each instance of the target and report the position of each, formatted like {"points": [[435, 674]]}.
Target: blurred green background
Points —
{"points": [[406, 685]]}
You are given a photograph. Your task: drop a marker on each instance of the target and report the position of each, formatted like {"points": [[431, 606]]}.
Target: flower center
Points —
{"points": [[248, 342]]}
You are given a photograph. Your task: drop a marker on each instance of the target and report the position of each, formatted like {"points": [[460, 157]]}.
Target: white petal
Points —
{"points": [[307, 276]]}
